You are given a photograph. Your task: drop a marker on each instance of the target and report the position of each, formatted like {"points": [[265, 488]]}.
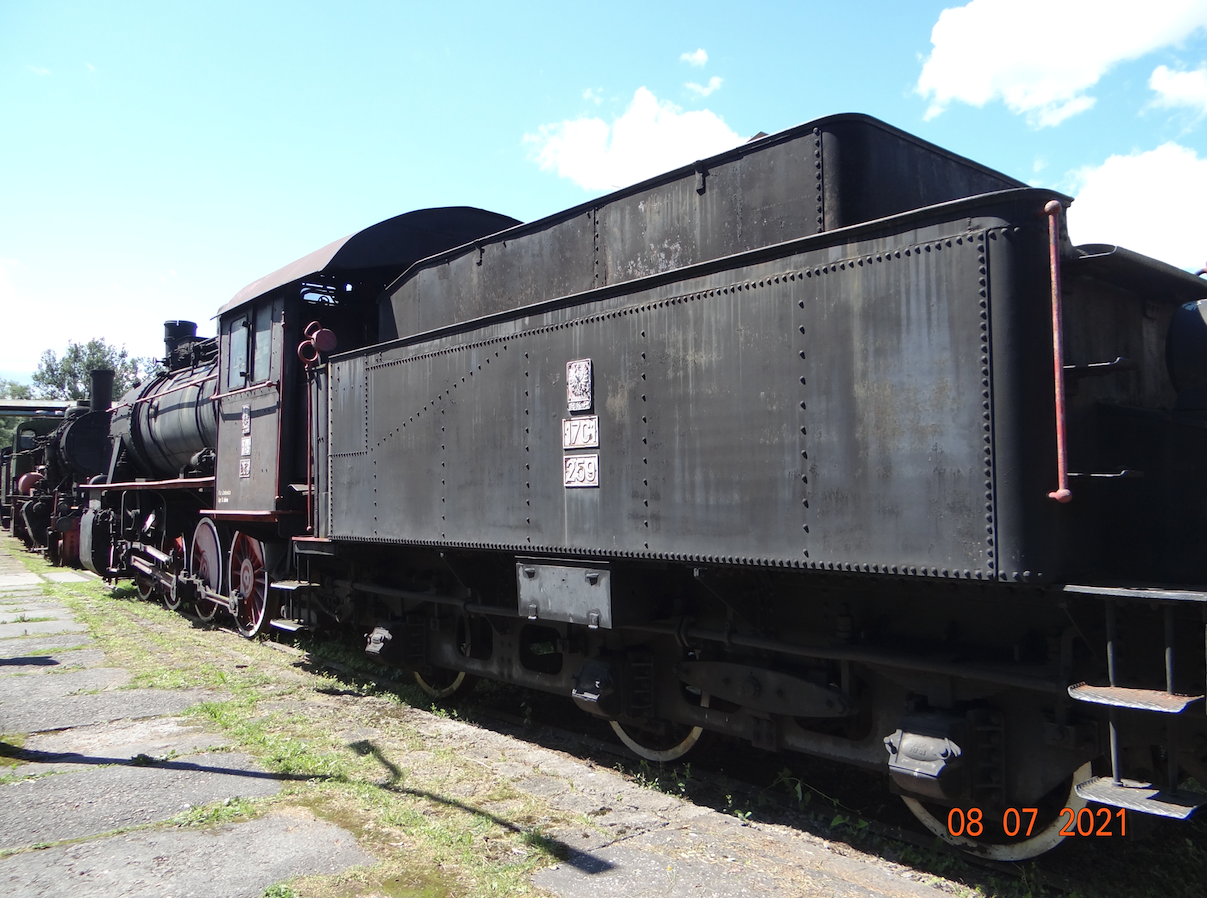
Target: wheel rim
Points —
{"points": [[1020, 850], [205, 563], [444, 684], [145, 586], [249, 575], [669, 747]]}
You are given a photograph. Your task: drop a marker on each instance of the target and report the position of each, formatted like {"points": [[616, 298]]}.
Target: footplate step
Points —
{"points": [[290, 626], [1135, 699], [1143, 798]]}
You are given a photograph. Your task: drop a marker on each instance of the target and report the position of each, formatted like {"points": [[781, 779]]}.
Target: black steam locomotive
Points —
{"points": [[831, 443]]}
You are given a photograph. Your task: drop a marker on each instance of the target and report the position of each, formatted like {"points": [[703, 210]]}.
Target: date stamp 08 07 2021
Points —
{"points": [[1021, 822]]}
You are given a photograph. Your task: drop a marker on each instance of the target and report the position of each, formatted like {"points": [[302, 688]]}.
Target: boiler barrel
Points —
{"points": [[166, 422]]}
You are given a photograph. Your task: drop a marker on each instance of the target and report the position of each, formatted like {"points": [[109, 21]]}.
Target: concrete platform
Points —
{"points": [[234, 861]]}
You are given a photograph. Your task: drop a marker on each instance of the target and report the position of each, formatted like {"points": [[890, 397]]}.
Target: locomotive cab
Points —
{"points": [[257, 383]]}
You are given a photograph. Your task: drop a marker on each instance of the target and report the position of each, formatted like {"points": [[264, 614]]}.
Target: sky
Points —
{"points": [[156, 157]]}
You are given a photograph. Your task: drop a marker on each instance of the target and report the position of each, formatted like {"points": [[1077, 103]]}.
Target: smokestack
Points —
{"points": [[175, 333], [102, 389]]}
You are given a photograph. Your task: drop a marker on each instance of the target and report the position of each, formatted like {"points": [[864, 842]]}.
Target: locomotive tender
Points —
{"points": [[831, 443]]}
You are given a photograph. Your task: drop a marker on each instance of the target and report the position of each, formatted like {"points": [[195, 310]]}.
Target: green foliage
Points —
{"points": [[279, 891], [11, 389], [67, 377], [226, 811]]}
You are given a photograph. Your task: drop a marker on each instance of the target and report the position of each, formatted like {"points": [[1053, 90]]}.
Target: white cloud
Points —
{"points": [[1180, 88], [649, 138], [593, 95], [1150, 202], [90, 66], [38, 71], [1039, 57], [700, 90], [697, 59]]}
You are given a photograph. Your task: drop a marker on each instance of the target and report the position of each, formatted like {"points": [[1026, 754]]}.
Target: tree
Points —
{"points": [[11, 389], [68, 377]]}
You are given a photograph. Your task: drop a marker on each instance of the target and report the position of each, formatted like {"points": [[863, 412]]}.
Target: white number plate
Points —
{"points": [[581, 470], [580, 433]]}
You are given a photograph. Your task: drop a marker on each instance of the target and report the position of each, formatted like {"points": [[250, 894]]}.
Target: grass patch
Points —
{"points": [[10, 749], [231, 810]]}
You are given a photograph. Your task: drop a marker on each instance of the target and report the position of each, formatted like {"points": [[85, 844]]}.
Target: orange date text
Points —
{"points": [[1022, 822]]}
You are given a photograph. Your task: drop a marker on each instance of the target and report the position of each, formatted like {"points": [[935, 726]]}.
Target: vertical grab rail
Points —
{"points": [[1061, 493], [318, 340]]}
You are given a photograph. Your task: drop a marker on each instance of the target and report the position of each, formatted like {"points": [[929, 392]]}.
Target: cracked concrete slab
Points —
{"points": [[40, 628], [14, 648], [66, 577], [19, 581], [40, 689], [56, 663], [186, 863], [82, 710], [19, 614], [100, 799], [78, 748]]}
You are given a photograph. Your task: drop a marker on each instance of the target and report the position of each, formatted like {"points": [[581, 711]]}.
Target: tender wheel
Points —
{"points": [[445, 684], [674, 743], [249, 575], [205, 563], [1045, 834]]}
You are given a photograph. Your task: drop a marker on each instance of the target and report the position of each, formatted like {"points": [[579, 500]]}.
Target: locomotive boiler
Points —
{"points": [[830, 443]]}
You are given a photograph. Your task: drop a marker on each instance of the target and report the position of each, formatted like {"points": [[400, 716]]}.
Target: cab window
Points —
{"points": [[238, 334], [262, 362]]}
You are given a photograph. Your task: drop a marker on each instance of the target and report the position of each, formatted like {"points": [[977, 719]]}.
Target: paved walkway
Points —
{"points": [[99, 759]]}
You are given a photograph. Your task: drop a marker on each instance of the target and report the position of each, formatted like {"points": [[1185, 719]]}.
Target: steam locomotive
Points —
{"points": [[832, 443]]}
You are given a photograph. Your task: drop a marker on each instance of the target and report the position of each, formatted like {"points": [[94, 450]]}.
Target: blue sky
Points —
{"points": [[156, 157]]}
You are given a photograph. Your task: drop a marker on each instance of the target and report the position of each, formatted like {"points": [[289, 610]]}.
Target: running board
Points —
{"points": [[1134, 699], [1143, 798], [288, 585], [1154, 593]]}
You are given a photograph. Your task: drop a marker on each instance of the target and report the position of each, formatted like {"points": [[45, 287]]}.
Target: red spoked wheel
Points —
{"points": [[249, 576], [205, 563]]}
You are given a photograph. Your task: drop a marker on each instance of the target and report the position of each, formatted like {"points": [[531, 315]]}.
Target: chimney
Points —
{"points": [[102, 389], [175, 333]]}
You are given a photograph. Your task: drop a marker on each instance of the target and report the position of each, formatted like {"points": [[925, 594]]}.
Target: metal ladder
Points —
{"points": [[1116, 790]]}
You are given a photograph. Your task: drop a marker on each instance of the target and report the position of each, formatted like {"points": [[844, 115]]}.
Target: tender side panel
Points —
{"points": [[824, 409], [893, 408], [350, 470]]}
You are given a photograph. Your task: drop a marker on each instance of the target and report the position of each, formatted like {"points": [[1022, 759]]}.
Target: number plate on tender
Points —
{"points": [[580, 433], [581, 470]]}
